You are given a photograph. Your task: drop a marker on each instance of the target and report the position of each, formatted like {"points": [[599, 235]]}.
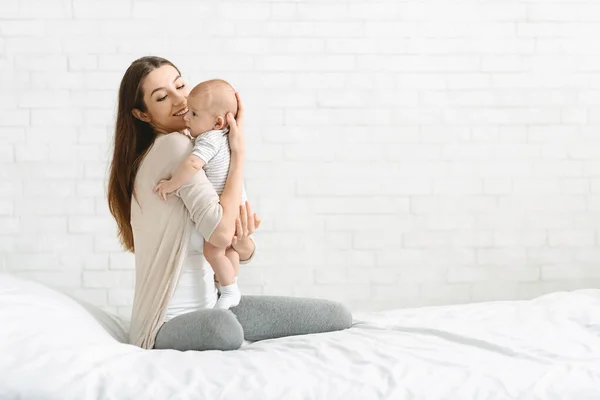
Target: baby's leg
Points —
{"points": [[220, 263], [234, 257], [224, 271]]}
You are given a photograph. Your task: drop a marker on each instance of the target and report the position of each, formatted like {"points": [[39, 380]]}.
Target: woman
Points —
{"points": [[174, 290]]}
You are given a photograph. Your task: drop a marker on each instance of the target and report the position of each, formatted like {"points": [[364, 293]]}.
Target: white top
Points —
{"points": [[196, 288], [212, 147]]}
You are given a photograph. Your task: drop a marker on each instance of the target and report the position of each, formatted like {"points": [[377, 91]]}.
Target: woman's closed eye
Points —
{"points": [[165, 96]]}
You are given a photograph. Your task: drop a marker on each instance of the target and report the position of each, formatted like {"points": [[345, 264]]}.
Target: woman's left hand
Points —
{"points": [[246, 224]]}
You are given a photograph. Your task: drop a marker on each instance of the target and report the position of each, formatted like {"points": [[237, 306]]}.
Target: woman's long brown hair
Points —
{"points": [[133, 139]]}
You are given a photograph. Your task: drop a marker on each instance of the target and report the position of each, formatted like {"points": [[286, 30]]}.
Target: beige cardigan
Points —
{"points": [[161, 232]]}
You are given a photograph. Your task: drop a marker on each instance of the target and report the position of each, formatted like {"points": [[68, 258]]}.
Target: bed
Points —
{"points": [[53, 347]]}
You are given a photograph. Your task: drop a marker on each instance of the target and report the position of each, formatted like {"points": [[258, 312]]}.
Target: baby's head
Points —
{"points": [[208, 104]]}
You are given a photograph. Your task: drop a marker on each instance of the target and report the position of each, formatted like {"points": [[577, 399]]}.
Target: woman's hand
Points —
{"points": [[246, 224], [236, 128]]}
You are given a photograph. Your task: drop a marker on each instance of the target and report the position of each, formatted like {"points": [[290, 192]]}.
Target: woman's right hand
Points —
{"points": [[236, 129]]}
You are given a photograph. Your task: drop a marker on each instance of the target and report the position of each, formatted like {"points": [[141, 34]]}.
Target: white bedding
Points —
{"points": [[547, 348]]}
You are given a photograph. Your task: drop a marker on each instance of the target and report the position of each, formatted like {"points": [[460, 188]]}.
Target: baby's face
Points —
{"points": [[200, 118]]}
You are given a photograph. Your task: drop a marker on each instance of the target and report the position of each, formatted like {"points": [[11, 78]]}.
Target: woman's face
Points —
{"points": [[165, 97]]}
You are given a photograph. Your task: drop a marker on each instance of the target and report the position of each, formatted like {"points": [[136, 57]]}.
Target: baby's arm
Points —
{"points": [[183, 173]]}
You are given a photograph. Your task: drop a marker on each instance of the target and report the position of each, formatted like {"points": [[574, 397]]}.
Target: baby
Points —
{"points": [[208, 104]]}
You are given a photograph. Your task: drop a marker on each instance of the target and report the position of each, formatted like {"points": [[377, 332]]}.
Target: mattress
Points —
{"points": [[547, 348]]}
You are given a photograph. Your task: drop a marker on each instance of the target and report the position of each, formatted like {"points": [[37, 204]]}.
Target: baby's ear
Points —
{"points": [[220, 123]]}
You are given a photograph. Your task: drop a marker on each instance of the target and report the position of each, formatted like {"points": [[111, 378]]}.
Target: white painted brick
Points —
{"points": [[427, 169], [7, 153], [561, 272], [497, 169], [38, 261], [536, 186], [284, 11], [12, 134], [469, 80], [331, 274], [120, 261], [472, 238], [413, 152], [369, 240], [55, 206], [560, 203], [288, 274], [90, 224], [457, 186], [426, 239], [14, 118], [108, 279], [585, 219], [558, 168], [79, 152], [497, 186], [497, 291], [6, 207], [9, 225], [97, 297], [558, 12], [90, 188], [51, 81], [29, 152], [85, 9], [56, 279], [120, 297], [51, 9], [82, 62], [106, 243], [550, 255], [573, 115], [520, 238], [500, 255], [449, 222], [42, 224], [493, 273], [365, 205], [586, 255], [55, 243], [452, 204], [48, 187], [572, 238], [95, 170], [40, 62]]}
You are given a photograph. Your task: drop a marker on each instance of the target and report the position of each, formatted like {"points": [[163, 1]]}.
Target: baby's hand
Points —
{"points": [[186, 132], [164, 187]]}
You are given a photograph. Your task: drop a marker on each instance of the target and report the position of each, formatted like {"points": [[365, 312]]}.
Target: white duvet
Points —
{"points": [[547, 348]]}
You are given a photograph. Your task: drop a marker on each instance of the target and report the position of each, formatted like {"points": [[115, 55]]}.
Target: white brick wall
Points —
{"points": [[400, 153]]}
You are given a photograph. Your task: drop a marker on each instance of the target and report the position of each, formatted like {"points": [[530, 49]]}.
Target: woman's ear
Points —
{"points": [[220, 123], [142, 116]]}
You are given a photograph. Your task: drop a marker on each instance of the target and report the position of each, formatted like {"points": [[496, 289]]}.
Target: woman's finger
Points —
{"points": [[257, 221], [239, 230], [251, 226], [244, 218], [240, 113]]}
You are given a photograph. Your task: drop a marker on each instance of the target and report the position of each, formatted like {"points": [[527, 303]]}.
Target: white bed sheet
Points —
{"points": [[547, 348]]}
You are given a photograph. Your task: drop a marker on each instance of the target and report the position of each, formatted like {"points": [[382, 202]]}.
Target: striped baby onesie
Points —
{"points": [[212, 147]]}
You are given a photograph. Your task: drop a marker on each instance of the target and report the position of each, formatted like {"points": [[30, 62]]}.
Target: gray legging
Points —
{"points": [[255, 318]]}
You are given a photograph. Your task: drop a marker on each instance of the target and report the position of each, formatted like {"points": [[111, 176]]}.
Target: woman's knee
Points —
{"points": [[212, 329], [339, 316]]}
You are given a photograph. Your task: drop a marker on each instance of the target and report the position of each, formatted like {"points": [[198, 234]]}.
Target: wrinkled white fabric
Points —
{"points": [[547, 348]]}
